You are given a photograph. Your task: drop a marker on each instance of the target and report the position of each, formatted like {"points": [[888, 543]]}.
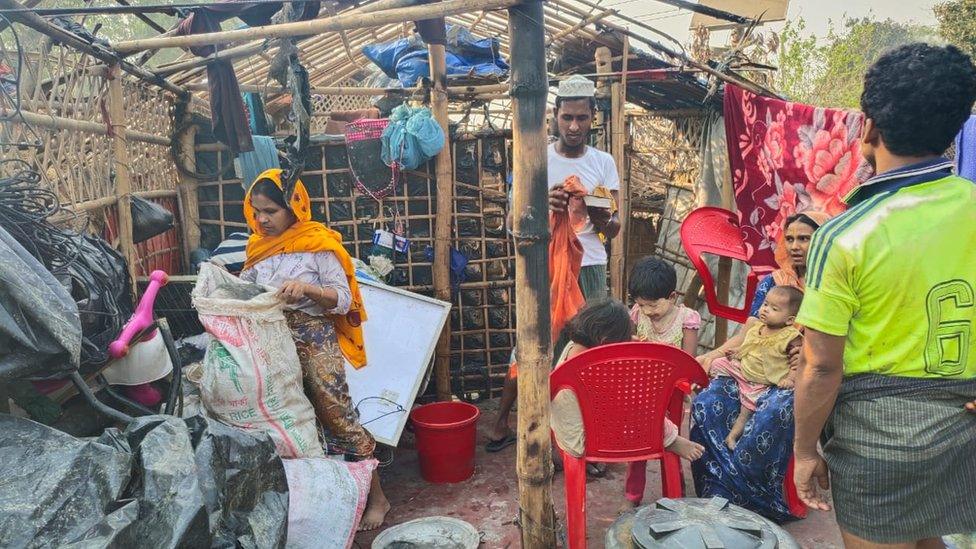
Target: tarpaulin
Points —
{"points": [[163, 482], [406, 58]]}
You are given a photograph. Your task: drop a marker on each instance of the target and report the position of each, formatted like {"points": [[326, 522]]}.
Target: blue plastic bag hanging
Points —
{"points": [[428, 132], [412, 138]]}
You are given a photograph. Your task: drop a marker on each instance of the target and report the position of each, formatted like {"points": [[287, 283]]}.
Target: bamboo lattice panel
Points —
{"points": [[149, 110], [77, 163], [61, 82]]}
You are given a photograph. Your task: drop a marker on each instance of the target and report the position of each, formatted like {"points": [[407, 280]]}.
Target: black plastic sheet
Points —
{"points": [[39, 325], [163, 482]]}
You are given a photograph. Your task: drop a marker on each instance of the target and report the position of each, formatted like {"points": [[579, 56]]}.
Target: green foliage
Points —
{"points": [[829, 71], [957, 23]]}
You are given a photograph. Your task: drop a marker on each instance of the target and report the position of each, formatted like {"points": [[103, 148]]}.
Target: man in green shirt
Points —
{"points": [[889, 357]]}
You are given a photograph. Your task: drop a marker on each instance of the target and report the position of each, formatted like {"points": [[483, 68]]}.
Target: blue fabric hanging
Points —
{"points": [[966, 150], [263, 157], [256, 118]]}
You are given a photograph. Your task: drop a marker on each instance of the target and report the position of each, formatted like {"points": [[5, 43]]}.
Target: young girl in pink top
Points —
{"points": [[660, 319]]}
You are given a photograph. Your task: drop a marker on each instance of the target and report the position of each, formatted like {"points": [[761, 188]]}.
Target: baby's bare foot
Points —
{"points": [[730, 441]]}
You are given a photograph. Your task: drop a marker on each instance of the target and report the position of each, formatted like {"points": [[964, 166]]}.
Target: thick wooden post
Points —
{"points": [[618, 146], [445, 215], [187, 187], [120, 168], [531, 229], [604, 64]]}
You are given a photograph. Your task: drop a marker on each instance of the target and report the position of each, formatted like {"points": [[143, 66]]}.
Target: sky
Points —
{"points": [[816, 13]]}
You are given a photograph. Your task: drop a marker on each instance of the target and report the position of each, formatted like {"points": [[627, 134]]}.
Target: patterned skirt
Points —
{"points": [[324, 376]]}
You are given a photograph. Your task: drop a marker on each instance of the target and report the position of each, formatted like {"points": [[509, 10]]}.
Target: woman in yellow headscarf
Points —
{"points": [[315, 277]]}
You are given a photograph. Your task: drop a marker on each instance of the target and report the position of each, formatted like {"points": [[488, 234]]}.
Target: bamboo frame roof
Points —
{"points": [[574, 31]]}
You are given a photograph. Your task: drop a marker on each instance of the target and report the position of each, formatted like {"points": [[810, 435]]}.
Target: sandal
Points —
{"points": [[596, 470], [500, 444]]}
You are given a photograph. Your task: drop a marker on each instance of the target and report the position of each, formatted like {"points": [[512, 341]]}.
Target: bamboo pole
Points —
{"points": [[570, 30], [41, 25], [52, 122], [618, 126], [315, 26], [120, 167], [453, 91], [530, 86], [436, 54], [255, 47], [603, 66]]}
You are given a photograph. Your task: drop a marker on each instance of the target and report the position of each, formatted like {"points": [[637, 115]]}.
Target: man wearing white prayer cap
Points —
{"points": [[570, 155]]}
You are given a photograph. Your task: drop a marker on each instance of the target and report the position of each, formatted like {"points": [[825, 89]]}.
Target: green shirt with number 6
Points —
{"points": [[896, 275]]}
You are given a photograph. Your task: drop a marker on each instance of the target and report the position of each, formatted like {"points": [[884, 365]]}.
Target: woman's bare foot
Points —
{"points": [[377, 506], [686, 448], [626, 506]]}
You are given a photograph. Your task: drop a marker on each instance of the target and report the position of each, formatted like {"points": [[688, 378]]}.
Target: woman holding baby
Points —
{"points": [[744, 418]]}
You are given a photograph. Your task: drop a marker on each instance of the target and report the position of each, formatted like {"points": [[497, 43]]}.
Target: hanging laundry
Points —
{"points": [[230, 124], [565, 259], [264, 157], [257, 119], [966, 150], [787, 158]]}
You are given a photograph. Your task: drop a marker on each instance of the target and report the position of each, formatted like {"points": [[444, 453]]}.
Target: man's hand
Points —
{"points": [[294, 290], [971, 406], [793, 356], [810, 477], [786, 383], [558, 199], [600, 217]]}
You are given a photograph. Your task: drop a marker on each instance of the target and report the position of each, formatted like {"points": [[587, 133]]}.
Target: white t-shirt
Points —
{"points": [[594, 168]]}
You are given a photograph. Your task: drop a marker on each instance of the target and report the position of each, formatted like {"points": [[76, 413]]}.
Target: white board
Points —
{"points": [[400, 335]]}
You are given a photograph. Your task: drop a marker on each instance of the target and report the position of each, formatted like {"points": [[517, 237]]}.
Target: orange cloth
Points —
{"points": [[565, 259], [786, 274], [306, 235]]}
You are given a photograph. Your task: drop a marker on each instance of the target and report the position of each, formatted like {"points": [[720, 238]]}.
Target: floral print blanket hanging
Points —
{"points": [[787, 158]]}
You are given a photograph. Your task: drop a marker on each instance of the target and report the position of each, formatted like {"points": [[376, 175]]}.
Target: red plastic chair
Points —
{"points": [[716, 231], [624, 391]]}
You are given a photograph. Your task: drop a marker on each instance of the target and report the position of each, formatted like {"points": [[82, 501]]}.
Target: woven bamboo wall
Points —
{"points": [[77, 164], [482, 319]]}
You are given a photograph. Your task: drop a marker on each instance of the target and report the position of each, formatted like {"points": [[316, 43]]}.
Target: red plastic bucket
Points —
{"points": [[445, 434]]}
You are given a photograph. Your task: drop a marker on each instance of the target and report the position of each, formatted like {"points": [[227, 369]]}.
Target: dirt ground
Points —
{"points": [[488, 499]]}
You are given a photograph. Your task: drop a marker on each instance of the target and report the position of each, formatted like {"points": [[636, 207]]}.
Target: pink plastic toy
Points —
{"points": [[141, 319]]}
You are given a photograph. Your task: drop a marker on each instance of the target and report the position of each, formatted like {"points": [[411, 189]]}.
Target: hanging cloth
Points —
{"points": [[966, 150], [306, 235], [253, 163], [364, 146], [257, 120], [787, 158], [565, 260]]}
